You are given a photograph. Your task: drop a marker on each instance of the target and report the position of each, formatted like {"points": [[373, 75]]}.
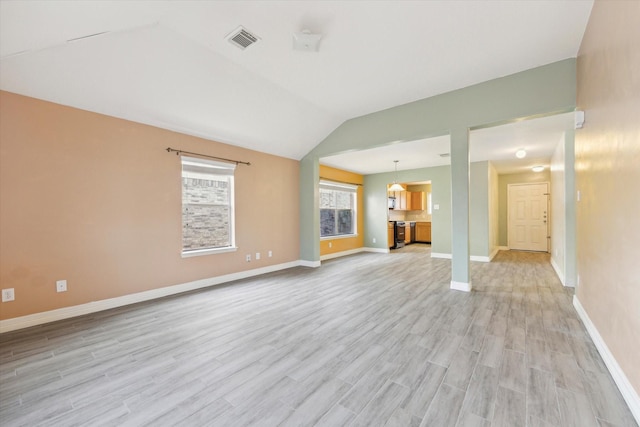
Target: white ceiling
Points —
{"points": [[538, 137], [167, 63]]}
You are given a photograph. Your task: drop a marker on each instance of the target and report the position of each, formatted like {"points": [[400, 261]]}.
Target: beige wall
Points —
{"points": [[608, 176], [96, 200]]}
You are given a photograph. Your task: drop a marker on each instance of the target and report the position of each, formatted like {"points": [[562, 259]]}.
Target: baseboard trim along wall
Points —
{"points": [[439, 255], [95, 306], [626, 389], [353, 251], [478, 258], [559, 272], [460, 286]]}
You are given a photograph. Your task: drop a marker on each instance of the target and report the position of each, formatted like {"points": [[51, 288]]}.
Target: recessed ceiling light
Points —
{"points": [[537, 168], [521, 153]]}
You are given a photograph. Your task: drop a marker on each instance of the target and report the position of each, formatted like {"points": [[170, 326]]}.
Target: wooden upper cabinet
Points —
{"points": [[410, 200], [418, 201]]}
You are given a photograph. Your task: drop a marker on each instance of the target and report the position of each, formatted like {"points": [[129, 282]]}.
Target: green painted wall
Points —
{"points": [[503, 182], [479, 209], [375, 205], [539, 91]]}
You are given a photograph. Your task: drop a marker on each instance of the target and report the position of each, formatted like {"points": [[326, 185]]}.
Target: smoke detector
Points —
{"points": [[306, 41], [242, 38]]}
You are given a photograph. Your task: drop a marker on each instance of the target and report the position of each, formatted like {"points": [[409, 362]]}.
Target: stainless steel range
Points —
{"points": [[399, 234]]}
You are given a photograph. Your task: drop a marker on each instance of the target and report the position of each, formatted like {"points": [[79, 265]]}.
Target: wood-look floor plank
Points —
{"points": [[368, 339]]}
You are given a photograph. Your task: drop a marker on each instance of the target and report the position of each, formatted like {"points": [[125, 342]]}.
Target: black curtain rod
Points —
{"points": [[178, 152]]}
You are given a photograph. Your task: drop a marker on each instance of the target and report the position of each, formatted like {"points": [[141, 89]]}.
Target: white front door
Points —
{"points": [[528, 216]]}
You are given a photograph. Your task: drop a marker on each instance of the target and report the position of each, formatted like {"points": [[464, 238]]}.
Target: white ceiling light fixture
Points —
{"points": [[305, 41], [395, 186], [521, 153], [537, 168]]}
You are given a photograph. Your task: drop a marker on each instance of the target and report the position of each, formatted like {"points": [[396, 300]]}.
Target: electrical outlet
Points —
{"points": [[270, 254], [61, 286], [330, 244], [374, 240], [257, 256], [8, 295], [248, 258]]}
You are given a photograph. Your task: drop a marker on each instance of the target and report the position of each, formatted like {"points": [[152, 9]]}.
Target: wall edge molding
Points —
{"points": [[377, 250], [480, 258], [460, 286], [36, 319], [559, 272], [440, 255], [626, 389], [341, 254]]}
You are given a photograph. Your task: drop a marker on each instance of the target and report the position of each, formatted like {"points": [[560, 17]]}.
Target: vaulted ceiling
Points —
{"points": [[168, 64]]}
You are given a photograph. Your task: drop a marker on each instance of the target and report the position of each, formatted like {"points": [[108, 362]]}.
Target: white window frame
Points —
{"points": [[216, 168], [341, 186]]}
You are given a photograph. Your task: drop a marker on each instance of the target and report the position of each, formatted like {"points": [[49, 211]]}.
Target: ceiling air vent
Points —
{"points": [[242, 38]]}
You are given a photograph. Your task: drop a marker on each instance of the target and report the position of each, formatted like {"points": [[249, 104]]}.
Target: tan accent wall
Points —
{"points": [[608, 177], [344, 243], [96, 200]]}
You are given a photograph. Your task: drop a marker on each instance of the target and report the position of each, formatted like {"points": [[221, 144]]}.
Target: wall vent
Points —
{"points": [[242, 38]]}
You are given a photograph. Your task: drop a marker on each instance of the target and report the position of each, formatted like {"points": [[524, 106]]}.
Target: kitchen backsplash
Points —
{"points": [[409, 216]]}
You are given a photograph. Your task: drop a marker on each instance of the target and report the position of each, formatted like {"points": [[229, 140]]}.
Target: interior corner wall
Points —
{"points": [[504, 181], [479, 209], [342, 244], [558, 207], [493, 209], [607, 151], [96, 200]]}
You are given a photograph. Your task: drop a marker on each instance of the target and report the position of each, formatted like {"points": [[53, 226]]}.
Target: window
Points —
{"points": [[207, 206], [337, 209]]}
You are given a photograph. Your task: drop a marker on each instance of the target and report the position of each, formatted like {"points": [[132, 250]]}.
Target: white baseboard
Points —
{"points": [[353, 251], [460, 286], [494, 253], [626, 389], [341, 254], [305, 263], [106, 304], [471, 258], [559, 272], [377, 250], [503, 248], [438, 255]]}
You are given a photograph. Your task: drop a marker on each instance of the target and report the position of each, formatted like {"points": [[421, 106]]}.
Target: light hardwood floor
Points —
{"points": [[365, 340]]}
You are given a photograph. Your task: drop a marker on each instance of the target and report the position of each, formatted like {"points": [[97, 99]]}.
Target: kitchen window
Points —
{"points": [[338, 203], [207, 207]]}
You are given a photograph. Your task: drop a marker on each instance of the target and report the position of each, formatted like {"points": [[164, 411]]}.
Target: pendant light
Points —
{"points": [[395, 186]]}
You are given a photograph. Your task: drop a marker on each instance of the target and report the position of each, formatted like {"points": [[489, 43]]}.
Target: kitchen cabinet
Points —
{"points": [[423, 232], [403, 200], [410, 200], [407, 234], [418, 201]]}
